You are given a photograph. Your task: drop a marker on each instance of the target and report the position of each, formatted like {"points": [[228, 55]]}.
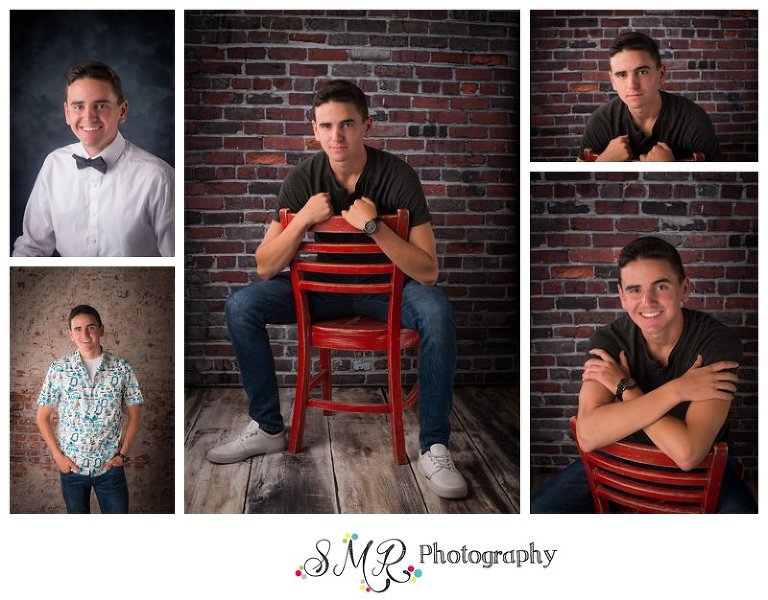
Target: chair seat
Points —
{"points": [[357, 333]]}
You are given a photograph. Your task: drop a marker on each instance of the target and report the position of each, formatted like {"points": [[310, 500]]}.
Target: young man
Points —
{"points": [[660, 374], [643, 122], [102, 196], [359, 182], [90, 389]]}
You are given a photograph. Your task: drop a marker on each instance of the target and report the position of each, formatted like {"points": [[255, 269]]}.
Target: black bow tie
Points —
{"points": [[97, 163]]}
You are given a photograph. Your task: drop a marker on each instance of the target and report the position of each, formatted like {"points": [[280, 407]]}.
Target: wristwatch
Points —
{"points": [[371, 226], [124, 457], [625, 384]]}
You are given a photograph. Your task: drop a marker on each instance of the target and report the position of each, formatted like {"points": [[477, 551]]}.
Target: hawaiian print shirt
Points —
{"points": [[90, 411]]}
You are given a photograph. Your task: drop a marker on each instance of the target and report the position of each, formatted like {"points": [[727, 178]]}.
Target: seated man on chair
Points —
{"points": [[660, 374], [359, 182], [644, 122]]}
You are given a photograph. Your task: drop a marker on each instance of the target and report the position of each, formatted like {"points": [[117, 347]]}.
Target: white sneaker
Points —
{"points": [[251, 441], [442, 477]]}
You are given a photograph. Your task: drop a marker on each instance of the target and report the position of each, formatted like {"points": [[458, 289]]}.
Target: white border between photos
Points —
{"points": [[222, 556]]}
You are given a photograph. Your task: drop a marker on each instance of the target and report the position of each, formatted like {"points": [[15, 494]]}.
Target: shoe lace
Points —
{"points": [[246, 434], [443, 461]]}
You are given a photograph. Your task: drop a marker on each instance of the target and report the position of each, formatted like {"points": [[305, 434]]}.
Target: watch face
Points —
{"points": [[371, 226]]}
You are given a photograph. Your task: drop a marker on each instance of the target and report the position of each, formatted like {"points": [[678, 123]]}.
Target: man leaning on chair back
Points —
{"points": [[349, 178], [660, 374], [643, 122]]}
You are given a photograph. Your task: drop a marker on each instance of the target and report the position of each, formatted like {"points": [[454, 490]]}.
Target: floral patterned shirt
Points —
{"points": [[90, 411]]}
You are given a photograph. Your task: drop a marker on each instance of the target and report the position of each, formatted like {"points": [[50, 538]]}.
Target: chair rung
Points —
{"points": [[348, 406], [648, 491], [646, 506], [344, 288]]}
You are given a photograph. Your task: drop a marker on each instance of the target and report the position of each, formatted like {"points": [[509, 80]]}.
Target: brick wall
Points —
{"points": [[444, 96], [711, 58], [579, 222], [137, 308]]}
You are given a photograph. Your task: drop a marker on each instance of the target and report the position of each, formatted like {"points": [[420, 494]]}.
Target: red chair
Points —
{"points": [[640, 478], [349, 333], [591, 156]]}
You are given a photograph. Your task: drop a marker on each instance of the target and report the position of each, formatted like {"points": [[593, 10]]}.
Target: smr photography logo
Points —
{"points": [[382, 565]]}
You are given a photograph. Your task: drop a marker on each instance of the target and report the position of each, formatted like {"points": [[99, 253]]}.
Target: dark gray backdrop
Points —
{"points": [[139, 45]]}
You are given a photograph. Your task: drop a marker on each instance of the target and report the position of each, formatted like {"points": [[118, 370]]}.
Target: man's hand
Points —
{"points": [[317, 209], [659, 153], [115, 461], [605, 370], [361, 211], [707, 383], [65, 464], [617, 150]]}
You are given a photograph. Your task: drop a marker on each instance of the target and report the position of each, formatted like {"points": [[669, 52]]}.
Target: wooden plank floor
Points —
{"points": [[346, 464]]}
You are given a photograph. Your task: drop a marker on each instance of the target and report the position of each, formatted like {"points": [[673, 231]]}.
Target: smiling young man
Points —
{"points": [[102, 196], [661, 374], [643, 122], [358, 182], [93, 392]]}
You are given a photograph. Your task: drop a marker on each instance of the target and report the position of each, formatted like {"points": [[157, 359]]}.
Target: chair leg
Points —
{"points": [[325, 378], [396, 408], [300, 401]]}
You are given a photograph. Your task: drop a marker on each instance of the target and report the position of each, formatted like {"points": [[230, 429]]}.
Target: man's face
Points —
{"points": [[636, 78], [341, 131], [652, 295], [86, 333], [93, 113]]}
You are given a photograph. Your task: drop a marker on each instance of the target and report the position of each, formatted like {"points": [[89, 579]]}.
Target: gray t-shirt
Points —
{"points": [[702, 334]]}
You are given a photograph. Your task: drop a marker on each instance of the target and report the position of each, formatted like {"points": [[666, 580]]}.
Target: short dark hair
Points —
{"points": [[95, 70], [634, 40], [652, 248], [84, 309], [341, 90]]}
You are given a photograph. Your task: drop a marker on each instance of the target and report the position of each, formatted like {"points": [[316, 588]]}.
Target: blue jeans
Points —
{"points": [[567, 492], [425, 309], [111, 491]]}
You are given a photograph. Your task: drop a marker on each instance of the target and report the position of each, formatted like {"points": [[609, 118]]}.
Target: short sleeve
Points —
{"points": [[51, 391]]}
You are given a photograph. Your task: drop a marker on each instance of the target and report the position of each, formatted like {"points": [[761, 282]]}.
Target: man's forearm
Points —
{"points": [[411, 260], [612, 421], [688, 441], [132, 430]]}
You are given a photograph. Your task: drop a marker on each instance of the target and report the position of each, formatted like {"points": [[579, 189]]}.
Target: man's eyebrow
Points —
{"points": [[340, 122], [92, 102], [637, 285]]}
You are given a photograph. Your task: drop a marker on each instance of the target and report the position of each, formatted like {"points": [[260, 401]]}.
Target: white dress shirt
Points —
{"points": [[127, 211]]}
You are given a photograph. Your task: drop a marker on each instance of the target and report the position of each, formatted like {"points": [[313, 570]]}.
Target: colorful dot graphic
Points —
{"points": [[416, 573], [300, 572], [347, 537]]}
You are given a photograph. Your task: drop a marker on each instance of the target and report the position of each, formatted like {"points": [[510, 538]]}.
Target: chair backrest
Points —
{"points": [[591, 156], [642, 478], [305, 261]]}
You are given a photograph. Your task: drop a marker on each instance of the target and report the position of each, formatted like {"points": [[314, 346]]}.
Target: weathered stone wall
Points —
{"points": [[137, 309]]}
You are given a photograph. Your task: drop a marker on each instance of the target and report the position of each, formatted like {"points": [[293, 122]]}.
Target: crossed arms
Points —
{"points": [[416, 257], [603, 420]]}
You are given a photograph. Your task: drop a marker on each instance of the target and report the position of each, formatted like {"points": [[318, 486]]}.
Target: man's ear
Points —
{"points": [[123, 111], [662, 73], [622, 297], [686, 289]]}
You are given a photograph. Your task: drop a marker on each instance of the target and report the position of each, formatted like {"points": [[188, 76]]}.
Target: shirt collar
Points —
{"points": [[111, 153]]}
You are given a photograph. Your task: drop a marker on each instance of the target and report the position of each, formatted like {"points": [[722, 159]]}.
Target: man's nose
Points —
{"points": [[633, 81]]}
